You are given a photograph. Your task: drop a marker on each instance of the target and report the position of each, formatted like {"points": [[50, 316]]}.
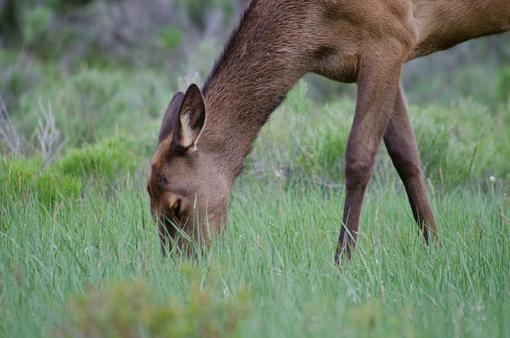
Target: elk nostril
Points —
{"points": [[177, 207]]}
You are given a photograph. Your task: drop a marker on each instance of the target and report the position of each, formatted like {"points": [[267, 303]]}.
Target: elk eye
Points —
{"points": [[162, 181]]}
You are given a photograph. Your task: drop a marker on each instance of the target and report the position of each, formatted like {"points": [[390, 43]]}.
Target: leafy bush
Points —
{"points": [[106, 160], [23, 179], [16, 177], [198, 9], [53, 187], [171, 37], [465, 142], [92, 104], [504, 84], [36, 21], [30, 19], [462, 143], [18, 75], [132, 310]]}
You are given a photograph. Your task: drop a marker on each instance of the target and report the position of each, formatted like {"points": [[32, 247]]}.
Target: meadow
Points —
{"points": [[80, 257], [83, 86]]}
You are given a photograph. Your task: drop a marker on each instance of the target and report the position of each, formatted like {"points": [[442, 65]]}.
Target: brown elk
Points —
{"points": [[206, 135]]}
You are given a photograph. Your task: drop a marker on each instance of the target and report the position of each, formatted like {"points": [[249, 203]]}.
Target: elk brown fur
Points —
{"points": [[207, 134]]}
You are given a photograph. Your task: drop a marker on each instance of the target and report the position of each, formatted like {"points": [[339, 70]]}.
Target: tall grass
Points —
{"points": [[79, 252], [279, 246]]}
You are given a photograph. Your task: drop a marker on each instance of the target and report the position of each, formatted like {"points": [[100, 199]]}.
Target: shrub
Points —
{"points": [[53, 187], [197, 10], [36, 20], [105, 160], [321, 154], [131, 310], [304, 139], [171, 37], [92, 104], [465, 142], [16, 178], [504, 84], [18, 75], [25, 179]]}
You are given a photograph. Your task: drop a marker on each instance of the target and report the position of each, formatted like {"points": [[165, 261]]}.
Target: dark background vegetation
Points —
{"points": [[181, 37]]}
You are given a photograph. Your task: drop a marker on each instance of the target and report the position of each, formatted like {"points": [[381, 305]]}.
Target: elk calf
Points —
{"points": [[206, 134]]}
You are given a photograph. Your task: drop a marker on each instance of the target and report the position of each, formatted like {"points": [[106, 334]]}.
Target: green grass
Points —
{"points": [[282, 252], [79, 253]]}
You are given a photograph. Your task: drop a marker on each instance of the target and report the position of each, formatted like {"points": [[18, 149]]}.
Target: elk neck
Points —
{"points": [[264, 58]]}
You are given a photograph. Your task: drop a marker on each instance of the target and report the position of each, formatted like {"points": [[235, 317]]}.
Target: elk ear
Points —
{"points": [[169, 119], [191, 118]]}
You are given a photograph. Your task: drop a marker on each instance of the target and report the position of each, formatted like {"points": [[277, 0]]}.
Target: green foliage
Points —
{"points": [[171, 37], [132, 310], [293, 143], [107, 160], [504, 84], [93, 103], [22, 179], [17, 178], [18, 75], [280, 241], [36, 21], [460, 144], [197, 9], [370, 320], [104, 162], [53, 187], [25, 22], [477, 79], [463, 143]]}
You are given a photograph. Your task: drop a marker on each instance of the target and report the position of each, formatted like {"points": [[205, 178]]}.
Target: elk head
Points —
{"points": [[188, 194]]}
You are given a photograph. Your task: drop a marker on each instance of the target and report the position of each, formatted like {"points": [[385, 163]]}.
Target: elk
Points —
{"points": [[206, 134]]}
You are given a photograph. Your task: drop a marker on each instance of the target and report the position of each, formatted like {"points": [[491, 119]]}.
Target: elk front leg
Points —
{"points": [[401, 144], [378, 86]]}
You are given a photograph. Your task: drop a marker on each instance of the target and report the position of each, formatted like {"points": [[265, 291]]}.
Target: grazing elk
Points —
{"points": [[206, 134]]}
